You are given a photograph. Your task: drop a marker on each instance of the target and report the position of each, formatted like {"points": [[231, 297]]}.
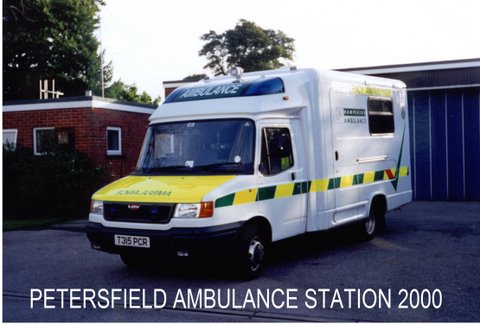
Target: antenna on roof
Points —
{"points": [[44, 90]]}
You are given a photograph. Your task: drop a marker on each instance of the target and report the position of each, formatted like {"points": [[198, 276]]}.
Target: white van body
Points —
{"points": [[328, 148]]}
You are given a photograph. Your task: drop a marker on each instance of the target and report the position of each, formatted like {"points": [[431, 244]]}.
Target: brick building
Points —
{"points": [[170, 86], [108, 131]]}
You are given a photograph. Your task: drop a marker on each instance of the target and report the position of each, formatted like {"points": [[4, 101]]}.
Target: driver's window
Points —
{"points": [[277, 153]]}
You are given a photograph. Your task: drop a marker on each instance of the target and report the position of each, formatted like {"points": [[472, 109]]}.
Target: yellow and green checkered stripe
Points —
{"points": [[302, 187]]}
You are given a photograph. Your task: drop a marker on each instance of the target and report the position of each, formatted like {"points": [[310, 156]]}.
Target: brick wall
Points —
{"points": [[133, 128], [89, 127], [26, 121], [170, 86]]}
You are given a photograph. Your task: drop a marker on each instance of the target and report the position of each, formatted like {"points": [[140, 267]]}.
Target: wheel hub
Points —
{"points": [[370, 224], [256, 253]]}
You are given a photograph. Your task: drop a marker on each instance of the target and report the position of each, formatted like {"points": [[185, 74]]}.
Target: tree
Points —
{"points": [[51, 39], [122, 91], [248, 46], [195, 77]]}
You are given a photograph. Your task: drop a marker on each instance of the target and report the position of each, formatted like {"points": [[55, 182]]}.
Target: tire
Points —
{"points": [[369, 227], [250, 256], [376, 218]]}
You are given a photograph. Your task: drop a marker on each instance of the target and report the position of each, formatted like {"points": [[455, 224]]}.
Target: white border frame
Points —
{"points": [[15, 136], [114, 152], [35, 129], [89, 103]]}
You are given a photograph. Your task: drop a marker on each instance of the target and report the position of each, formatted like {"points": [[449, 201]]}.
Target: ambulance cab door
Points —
{"points": [[282, 177]]}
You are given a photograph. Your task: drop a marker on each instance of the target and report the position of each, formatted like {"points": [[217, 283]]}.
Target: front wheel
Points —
{"points": [[251, 252]]}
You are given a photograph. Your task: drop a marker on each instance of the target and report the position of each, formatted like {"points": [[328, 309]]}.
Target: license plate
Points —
{"points": [[135, 241]]}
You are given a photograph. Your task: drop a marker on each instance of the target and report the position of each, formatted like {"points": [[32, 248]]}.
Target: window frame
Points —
{"points": [[35, 147], [266, 165], [374, 115], [15, 137], [119, 131]]}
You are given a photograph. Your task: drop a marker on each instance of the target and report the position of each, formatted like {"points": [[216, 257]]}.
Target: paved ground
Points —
{"points": [[429, 249]]}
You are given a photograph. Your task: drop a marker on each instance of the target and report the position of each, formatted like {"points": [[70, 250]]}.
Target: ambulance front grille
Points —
{"points": [[138, 213]]}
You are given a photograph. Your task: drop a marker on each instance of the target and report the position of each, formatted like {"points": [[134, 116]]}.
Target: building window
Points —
{"points": [[277, 153], [43, 140], [47, 139], [114, 141], [65, 138], [380, 116], [10, 139]]}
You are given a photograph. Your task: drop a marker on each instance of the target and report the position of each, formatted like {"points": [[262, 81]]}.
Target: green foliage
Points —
{"points": [[195, 77], [122, 91], [58, 184], [248, 46], [51, 39]]}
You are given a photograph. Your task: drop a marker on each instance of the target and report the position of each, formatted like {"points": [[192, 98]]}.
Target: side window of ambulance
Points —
{"points": [[277, 153], [380, 116]]}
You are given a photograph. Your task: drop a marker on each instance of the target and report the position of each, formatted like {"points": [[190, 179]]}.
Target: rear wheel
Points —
{"points": [[251, 252], [369, 228]]}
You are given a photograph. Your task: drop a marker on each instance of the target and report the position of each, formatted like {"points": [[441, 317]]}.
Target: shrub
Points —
{"points": [[57, 184]]}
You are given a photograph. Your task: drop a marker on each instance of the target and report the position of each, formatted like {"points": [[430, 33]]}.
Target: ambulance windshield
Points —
{"points": [[223, 146]]}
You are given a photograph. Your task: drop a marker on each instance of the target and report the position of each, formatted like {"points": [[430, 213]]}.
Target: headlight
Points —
{"points": [[96, 207], [187, 210], [201, 210]]}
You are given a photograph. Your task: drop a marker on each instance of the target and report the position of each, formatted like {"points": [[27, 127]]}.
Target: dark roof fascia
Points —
{"points": [[175, 81], [413, 67]]}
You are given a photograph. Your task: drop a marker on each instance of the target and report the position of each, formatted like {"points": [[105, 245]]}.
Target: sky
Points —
{"points": [[151, 41]]}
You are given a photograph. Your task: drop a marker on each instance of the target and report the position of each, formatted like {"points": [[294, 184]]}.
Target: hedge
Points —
{"points": [[57, 184]]}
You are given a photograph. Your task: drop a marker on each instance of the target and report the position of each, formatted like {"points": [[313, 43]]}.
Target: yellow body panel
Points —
{"points": [[284, 190], [403, 171], [319, 185], [159, 189], [347, 181], [368, 177], [245, 196]]}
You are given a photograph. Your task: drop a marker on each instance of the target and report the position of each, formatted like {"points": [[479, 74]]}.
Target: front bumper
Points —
{"points": [[190, 242]]}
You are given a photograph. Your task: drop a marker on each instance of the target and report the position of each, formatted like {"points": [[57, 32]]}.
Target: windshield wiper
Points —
{"points": [[213, 165], [182, 167], [165, 168]]}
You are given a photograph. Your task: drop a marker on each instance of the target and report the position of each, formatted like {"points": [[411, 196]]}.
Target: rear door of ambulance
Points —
{"points": [[349, 121]]}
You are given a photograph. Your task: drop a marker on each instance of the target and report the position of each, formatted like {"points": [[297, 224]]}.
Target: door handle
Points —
{"points": [[336, 155], [292, 175]]}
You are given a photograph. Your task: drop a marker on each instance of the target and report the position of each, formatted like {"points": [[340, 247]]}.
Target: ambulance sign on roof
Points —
{"points": [[226, 90]]}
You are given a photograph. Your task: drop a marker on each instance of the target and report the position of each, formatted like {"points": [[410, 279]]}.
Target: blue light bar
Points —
{"points": [[225, 90]]}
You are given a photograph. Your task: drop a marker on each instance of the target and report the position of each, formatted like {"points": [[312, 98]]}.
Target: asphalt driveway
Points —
{"points": [[424, 267]]}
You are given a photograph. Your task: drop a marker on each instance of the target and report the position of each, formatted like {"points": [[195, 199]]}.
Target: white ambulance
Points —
{"points": [[231, 164]]}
